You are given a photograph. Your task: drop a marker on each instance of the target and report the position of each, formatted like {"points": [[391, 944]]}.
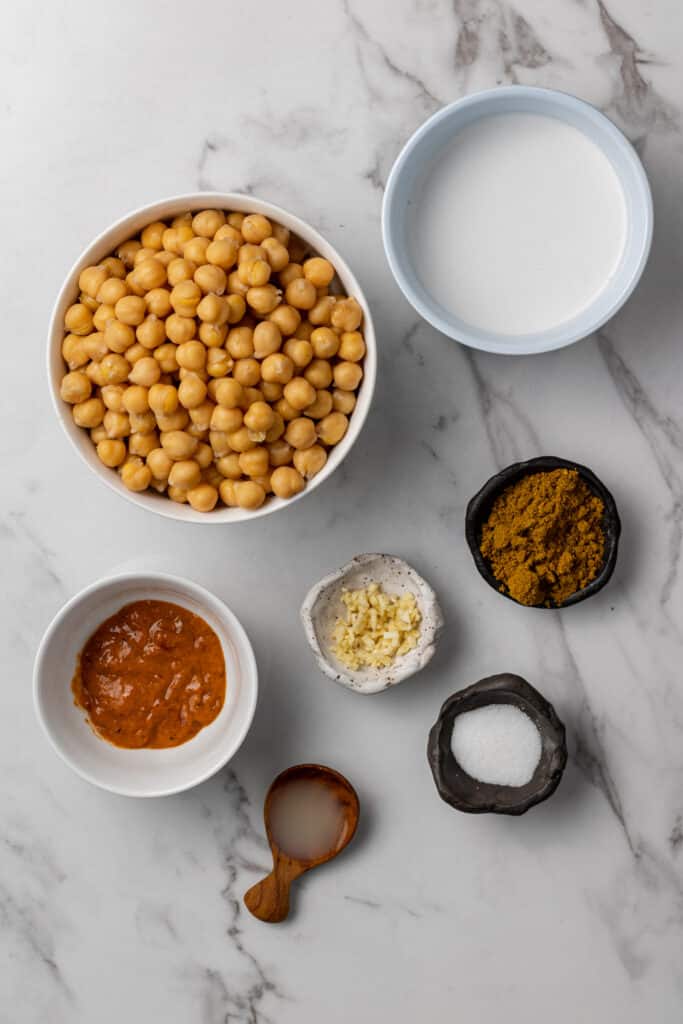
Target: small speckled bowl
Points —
{"points": [[463, 792], [480, 506], [323, 606]]}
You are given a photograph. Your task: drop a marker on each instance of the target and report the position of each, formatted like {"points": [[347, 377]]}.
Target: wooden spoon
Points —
{"points": [[295, 849]]}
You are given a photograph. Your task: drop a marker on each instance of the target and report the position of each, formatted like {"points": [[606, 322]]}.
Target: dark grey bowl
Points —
{"points": [[480, 506], [463, 792]]}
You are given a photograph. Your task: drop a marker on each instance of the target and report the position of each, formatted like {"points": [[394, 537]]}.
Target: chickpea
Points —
{"points": [[136, 398], [201, 414], [111, 290], [285, 410], [227, 493], [240, 441], [143, 444], [146, 372], [229, 466], [114, 267], [299, 393], [112, 396], [222, 253], [183, 372], [237, 308], [264, 299], [220, 443], [321, 407], [255, 273], [254, 462], [304, 330], [343, 401], [301, 294], [96, 346], [111, 452], [191, 391], [325, 342], [179, 270], [126, 252], [175, 494], [185, 298], [78, 319], [164, 257], [213, 335], [226, 420], [301, 433], [101, 317], [318, 271], [132, 285], [286, 318], [211, 279], [310, 461], [194, 249], [292, 272], [347, 376], [130, 310], [249, 494], [255, 227], [332, 428], [352, 347], [235, 285], [94, 374], [162, 398], [159, 463], [191, 355], [251, 395], [135, 475], [202, 435], [277, 428], [151, 333], [247, 372], [281, 233], [207, 222], [228, 231], [151, 236], [178, 445], [165, 356], [286, 482], [218, 362], [114, 369], [259, 418], [143, 254], [185, 474], [280, 452], [250, 252], [91, 279], [116, 424], [203, 498], [98, 434], [322, 311], [180, 329], [118, 336], [168, 421], [135, 353], [299, 351], [75, 387], [276, 253], [149, 273], [240, 343], [74, 352], [319, 374], [229, 393], [271, 391], [347, 315], [277, 368]]}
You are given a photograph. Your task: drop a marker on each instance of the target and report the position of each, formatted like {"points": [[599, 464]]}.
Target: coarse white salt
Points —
{"points": [[498, 744]]}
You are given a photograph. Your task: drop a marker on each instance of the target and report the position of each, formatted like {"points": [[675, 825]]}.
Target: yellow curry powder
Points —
{"points": [[543, 538]]}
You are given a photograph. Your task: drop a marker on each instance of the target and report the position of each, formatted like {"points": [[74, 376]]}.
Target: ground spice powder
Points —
{"points": [[543, 538]]}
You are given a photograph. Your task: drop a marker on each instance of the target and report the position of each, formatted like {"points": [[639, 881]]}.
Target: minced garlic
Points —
{"points": [[377, 628]]}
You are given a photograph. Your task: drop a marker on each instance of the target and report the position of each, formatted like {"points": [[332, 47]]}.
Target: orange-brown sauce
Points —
{"points": [[152, 675]]}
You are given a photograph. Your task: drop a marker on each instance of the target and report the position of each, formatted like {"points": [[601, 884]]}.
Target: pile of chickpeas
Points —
{"points": [[211, 361]]}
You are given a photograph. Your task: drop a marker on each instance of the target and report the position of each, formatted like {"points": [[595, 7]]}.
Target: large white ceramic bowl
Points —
{"points": [[104, 245], [141, 772], [431, 138]]}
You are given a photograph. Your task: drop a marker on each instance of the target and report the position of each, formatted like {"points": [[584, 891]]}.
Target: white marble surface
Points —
{"points": [[113, 909]]}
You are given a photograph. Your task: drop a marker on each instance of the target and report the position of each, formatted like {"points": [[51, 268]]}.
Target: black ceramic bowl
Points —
{"points": [[480, 506], [463, 792]]}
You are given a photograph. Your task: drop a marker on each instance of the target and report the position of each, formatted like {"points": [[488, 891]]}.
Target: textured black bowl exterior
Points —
{"points": [[479, 509], [463, 792]]}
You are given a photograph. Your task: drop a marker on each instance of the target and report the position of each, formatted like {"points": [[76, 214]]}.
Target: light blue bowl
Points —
{"points": [[418, 156]]}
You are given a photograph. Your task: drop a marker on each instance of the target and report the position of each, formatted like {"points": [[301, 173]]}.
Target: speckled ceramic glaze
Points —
{"points": [[323, 606]]}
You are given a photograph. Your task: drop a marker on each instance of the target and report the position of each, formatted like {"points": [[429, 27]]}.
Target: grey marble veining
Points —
{"points": [[111, 908]]}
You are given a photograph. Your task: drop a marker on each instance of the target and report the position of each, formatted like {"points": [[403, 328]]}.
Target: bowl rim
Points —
{"points": [[112, 235], [529, 344], [203, 596], [479, 506]]}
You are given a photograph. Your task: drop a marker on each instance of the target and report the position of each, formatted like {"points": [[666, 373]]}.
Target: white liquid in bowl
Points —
{"points": [[519, 224]]}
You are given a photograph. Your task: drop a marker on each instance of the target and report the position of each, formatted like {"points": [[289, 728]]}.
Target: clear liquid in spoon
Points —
{"points": [[306, 819]]}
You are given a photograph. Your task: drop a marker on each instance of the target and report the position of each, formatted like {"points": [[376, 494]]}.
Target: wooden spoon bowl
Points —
{"points": [[293, 855]]}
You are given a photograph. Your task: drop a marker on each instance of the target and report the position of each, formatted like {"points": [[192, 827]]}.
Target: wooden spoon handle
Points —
{"points": [[269, 899]]}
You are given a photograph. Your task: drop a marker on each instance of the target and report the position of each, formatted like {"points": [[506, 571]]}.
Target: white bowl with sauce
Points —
{"points": [[141, 772], [124, 228], [517, 220]]}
